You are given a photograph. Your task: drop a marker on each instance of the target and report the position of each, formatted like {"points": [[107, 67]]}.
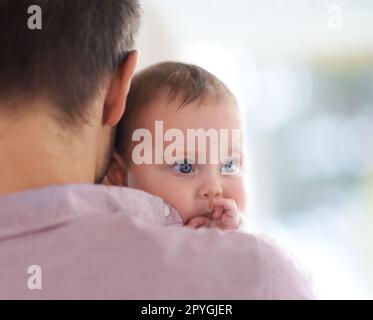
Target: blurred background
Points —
{"points": [[302, 71]]}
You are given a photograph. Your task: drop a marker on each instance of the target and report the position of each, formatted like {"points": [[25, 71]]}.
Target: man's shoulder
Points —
{"points": [[243, 264], [104, 234], [32, 210], [216, 264], [184, 263]]}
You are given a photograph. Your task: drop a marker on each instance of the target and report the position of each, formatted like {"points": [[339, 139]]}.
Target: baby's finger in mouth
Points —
{"points": [[217, 213]]}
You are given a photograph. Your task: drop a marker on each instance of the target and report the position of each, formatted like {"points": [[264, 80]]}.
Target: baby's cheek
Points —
{"points": [[175, 192], [182, 201], [242, 202], [236, 190]]}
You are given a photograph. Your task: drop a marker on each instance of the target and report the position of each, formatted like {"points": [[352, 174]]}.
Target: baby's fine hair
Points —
{"points": [[167, 82]]}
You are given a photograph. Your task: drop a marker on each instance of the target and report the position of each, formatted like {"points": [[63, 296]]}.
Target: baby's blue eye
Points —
{"points": [[184, 167], [230, 167]]}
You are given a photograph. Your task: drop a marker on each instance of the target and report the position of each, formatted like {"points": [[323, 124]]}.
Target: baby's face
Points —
{"points": [[189, 186]]}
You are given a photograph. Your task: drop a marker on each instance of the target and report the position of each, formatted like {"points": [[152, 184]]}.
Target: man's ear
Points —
{"points": [[117, 173], [119, 88]]}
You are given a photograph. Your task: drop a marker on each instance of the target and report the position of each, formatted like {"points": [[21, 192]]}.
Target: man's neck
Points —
{"points": [[35, 152]]}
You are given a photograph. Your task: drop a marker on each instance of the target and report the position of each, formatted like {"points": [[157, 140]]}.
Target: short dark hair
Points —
{"points": [[66, 61], [176, 82]]}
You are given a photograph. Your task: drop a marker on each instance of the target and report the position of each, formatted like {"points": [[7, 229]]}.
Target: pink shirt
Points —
{"points": [[96, 242]]}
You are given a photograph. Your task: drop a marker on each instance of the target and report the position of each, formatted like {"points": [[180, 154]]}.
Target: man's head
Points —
{"points": [[78, 66]]}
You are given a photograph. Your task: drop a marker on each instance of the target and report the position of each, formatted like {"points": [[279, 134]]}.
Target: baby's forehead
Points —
{"points": [[209, 113]]}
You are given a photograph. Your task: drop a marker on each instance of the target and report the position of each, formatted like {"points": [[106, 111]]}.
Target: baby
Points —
{"points": [[177, 98]]}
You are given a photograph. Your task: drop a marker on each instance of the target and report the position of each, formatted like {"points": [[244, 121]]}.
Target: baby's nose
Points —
{"points": [[210, 190]]}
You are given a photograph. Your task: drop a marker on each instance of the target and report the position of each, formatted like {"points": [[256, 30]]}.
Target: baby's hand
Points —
{"points": [[199, 222], [225, 215]]}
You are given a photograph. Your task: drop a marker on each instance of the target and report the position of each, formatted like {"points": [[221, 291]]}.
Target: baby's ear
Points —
{"points": [[117, 173]]}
